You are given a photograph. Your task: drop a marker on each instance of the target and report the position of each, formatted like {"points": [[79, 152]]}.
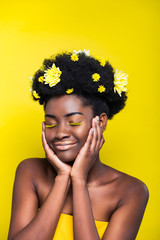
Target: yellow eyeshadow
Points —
{"points": [[71, 124], [75, 124], [50, 126]]}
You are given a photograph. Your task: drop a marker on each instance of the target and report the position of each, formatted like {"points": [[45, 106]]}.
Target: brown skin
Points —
{"points": [[74, 181]]}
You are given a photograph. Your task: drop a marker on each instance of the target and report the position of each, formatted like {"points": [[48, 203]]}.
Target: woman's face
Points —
{"points": [[67, 125]]}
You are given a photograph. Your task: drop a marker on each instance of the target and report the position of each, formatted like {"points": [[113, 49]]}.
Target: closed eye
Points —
{"points": [[50, 126], [71, 124], [75, 124]]}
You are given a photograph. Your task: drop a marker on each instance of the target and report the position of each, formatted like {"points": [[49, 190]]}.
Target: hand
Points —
{"points": [[89, 152], [59, 166]]}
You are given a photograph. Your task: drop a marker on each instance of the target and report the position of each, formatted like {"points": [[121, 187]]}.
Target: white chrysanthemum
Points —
{"points": [[120, 82], [52, 75], [76, 52], [86, 52]]}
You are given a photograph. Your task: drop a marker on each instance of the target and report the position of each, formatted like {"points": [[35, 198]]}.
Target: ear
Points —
{"points": [[103, 121]]}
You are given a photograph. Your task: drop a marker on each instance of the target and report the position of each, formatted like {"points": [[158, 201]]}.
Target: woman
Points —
{"points": [[71, 185]]}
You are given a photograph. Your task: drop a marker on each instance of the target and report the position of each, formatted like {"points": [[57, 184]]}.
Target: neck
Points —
{"points": [[96, 173]]}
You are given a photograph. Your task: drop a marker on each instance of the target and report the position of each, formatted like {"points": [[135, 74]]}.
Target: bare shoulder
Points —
{"points": [[127, 185], [31, 163], [24, 200], [35, 166], [129, 196]]}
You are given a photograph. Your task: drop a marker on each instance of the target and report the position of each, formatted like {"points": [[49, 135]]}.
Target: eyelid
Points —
{"points": [[71, 123], [50, 126], [75, 124]]}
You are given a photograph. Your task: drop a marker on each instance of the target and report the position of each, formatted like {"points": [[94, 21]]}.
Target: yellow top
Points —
{"points": [[64, 230]]}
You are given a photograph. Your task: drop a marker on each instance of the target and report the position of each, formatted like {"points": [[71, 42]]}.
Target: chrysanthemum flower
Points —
{"points": [[74, 57], [101, 60], [35, 94], [40, 79], [69, 91], [120, 82], [52, 75], [101, 89], [95, 77], [86, 52]]}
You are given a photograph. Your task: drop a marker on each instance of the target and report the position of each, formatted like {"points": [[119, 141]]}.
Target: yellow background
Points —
{"points": [[124, 32]]}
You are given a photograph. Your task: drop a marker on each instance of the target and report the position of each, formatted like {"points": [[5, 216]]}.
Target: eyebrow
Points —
{"points": [[67, 115]]}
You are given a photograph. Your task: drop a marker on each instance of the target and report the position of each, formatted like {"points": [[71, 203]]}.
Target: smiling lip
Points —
{"points": [[64, 146]]}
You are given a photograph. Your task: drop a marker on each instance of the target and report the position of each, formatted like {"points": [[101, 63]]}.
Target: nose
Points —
{"points": [[62, 131]]}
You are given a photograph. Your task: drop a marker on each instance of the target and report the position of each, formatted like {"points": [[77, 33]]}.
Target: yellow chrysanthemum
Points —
{"points": [[74, 57], [120, 82], [69, 91], [101, 89], [101, 60], [52, 75], [95, 77], [40, 79], [35, 94]]}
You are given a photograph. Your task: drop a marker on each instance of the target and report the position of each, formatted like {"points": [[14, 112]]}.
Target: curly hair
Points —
{"points": [[78, 75]]}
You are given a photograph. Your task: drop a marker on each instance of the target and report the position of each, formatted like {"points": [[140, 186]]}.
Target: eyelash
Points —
{"points": [[71, 124]]}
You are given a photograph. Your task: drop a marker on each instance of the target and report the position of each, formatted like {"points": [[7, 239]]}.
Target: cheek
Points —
{"points": [[49, 135], [82, 133]]}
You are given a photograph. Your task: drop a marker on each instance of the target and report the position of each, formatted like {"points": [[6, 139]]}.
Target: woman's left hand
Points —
{"points": [[89, 152]]}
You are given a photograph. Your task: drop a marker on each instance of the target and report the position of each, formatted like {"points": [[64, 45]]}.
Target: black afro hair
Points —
{"points": [[77, 74]]}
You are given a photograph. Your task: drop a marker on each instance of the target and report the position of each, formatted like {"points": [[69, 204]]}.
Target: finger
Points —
{"points": [[44, 142], [46, 147], [95, 136], [89, 139], [99, 133], [101, 143], [50, 155], [43, 126]]}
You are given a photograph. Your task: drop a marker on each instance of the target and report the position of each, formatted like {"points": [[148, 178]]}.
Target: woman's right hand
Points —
{"points": [[60, 167]]}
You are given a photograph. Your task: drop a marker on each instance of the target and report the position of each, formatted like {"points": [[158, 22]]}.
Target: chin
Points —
{"points": [[66, 156]]}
